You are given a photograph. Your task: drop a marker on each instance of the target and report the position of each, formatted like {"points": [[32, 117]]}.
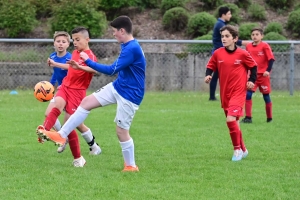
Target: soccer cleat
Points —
{"points": [[237, 155], [79, 162], [213, 99], [96, 150], [269, 120], [53, 136], [40, 139], [246, 120], [60, 149], [130, 169], [245, 154]]}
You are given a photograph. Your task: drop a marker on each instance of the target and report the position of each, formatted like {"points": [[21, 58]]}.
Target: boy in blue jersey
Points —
{"points": [[58, 61], [224, 18], [127, 91]]}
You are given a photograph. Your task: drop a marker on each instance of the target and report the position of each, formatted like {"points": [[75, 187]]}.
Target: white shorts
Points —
{"points": [[125, 109]]}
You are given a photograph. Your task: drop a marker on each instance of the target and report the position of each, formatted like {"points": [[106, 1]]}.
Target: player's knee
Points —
{"points": [[267, 98], [249, 95]]}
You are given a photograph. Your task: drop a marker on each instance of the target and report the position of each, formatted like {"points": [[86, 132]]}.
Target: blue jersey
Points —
{"points": [[131, 66], [59, 73]]}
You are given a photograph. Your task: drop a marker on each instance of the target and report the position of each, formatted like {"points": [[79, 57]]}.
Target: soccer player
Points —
{"points": [[232, 64], [127, 91], [224, 17], [262, 53], [71, 92]]}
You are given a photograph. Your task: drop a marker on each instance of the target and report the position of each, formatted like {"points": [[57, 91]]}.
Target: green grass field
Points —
{"points": [[183, 150]]}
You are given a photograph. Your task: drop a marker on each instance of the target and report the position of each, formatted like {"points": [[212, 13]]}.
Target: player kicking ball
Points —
{"points": [[233, 64], [127, 91]]}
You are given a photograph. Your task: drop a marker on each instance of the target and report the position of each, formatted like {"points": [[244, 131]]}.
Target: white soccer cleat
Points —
{"points": [[237, 155], [95, 150], [79, 162], [60, 149]]}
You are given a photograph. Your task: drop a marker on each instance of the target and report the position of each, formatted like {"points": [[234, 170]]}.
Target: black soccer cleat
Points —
{"points": [[269, 120], [246, 120]]}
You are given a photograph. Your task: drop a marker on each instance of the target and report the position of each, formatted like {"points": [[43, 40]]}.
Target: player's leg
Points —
{"points": [[87, 134], [125, 113], [235, 134], [51, 105], [248, 107], [266, 90], [213, 86], [243, 146]]}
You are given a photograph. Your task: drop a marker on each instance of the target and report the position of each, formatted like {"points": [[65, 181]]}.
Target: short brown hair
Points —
{"points": [[61, 33], [122, 22], [231, 29], [257, 29]]}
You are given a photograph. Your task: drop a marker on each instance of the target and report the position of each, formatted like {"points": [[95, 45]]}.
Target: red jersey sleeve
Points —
{"points": [[268, 52], [212, 63], [248, 60]]}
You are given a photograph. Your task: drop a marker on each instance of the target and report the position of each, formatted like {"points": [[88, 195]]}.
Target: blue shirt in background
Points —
{"points": [[59, 73], [131, 68]]}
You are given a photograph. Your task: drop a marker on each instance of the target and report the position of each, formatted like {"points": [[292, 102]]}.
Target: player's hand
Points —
{"points": [[50, 62], [74, 64], [84, 56], [266, 73], [207, 79], [250, 85]]}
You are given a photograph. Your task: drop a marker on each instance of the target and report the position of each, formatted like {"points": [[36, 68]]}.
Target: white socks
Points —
{"points": [[89, 138], [128, 152], [75, 120], [57, 125]]}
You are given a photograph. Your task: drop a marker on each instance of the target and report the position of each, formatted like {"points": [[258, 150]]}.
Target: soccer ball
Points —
{"points": [[43, 91]]}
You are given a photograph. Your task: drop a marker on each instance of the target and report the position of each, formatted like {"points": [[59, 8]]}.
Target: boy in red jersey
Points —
{"points": [[263, 55], [232, 64], [71, 92]]}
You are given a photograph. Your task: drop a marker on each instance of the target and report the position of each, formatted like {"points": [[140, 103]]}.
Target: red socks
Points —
{"points": [[51, 118], [248, 108], [235, 134], [74, 144], [243, 147], [269, 110]]}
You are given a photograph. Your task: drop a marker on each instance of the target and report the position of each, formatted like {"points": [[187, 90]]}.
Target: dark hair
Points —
{"points": [[82, 30], [258, 29], [122, 22], [223, 10], [231, 29]]}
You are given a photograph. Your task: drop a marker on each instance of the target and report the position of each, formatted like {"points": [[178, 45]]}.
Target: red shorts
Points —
{"points": [[72, 97], [235, 111], [263, 83]]}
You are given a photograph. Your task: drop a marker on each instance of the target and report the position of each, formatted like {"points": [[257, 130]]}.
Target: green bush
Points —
{"points": [[277, 47], [175, 19], [293, 22], [245, 30], [82, 13], [235, 11], [209, 4], [200, 24], [17, 17], [200, 48], [274, 27], [168, 4], [257, 12], [112, 5], [44, 8], [148, 3], [297, 6], [243, 3], [281, 4]]}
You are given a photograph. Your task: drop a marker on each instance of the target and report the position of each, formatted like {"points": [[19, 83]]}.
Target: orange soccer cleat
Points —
{"points": [[130, 169], [53, 136]]}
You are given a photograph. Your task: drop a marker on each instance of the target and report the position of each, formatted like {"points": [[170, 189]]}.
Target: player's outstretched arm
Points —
{"points": [[75, 65], [52, 63]]}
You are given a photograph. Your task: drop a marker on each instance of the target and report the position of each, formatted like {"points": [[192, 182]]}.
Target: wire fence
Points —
{"points": [[171, 64]]}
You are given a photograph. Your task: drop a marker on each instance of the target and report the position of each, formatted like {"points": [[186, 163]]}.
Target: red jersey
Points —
{"points": [[79, 79], [232, 68], [261, 53]]}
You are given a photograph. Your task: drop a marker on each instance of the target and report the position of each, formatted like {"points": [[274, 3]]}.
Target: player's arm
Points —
{"points": [[75, 65], [271, 60], [125, 59], [210, 68], [52, 63]]}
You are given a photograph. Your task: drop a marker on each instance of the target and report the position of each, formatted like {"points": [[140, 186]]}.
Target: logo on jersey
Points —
{"points": [[237, 62], [260, 53], [220, 61], [265, 88]]}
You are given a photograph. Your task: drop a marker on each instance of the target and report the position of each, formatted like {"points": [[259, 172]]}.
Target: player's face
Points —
{"points": [[119, 34], [61, 44], [228, 16], [80, 42], [227, 39], [256, 37]]}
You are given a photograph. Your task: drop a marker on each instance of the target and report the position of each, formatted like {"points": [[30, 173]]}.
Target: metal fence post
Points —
{"points": [[292, 67]]}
